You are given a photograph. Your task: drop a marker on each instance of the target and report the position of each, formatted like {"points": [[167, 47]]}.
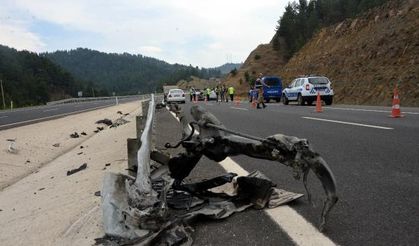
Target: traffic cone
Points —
{"points": [[318, 104], [237, 102], [395, 111], [254, 102]]}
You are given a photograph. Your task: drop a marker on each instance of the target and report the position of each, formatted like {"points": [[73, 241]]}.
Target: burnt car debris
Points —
{"points": [[158, 206]]}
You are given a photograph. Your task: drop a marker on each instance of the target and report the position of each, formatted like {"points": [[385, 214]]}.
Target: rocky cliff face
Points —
{"points": [[364, 57], [264, 59]]}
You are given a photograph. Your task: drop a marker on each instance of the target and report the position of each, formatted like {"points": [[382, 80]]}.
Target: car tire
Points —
{"points": [[285, 100], [310, 102], [300, 100], [278, 100], [328, 101]]}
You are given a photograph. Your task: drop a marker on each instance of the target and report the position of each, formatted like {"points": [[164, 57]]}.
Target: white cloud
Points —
{"points": [[185, 31], [147, 50], [19, 38]]}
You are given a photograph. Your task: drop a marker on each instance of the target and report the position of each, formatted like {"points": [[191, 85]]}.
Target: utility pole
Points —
{"points": [[2, 94]]}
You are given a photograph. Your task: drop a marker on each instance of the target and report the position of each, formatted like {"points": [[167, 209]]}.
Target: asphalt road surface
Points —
{"points": [[25, 116], [375, 159]]}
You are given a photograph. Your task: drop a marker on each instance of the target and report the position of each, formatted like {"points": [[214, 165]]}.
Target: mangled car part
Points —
{"points": [[157, 205], [216, 142]]}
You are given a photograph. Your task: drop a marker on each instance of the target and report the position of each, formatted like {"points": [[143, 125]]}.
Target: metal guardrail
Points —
{"points": [[119, 189], [143, 156], [88, 99]]}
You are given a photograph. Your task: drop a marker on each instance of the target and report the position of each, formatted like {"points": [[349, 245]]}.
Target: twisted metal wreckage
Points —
{"points": [[158, 205]]}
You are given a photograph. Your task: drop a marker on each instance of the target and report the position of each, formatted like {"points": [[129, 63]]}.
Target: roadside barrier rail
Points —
{"points": [[143, 156], [88, 99]]}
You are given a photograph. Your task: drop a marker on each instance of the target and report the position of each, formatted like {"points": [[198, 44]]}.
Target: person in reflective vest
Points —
{"points": [[231, 93], [208, 94], [191, 93]]}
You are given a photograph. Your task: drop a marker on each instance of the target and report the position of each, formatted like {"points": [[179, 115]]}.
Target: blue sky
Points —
{"points": [[197, 32]]}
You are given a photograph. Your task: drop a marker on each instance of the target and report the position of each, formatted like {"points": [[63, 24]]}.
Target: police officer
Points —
{"points": [[259, 86]]}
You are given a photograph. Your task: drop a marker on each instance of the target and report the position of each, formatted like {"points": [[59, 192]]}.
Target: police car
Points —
{"points": [[304, 89]]}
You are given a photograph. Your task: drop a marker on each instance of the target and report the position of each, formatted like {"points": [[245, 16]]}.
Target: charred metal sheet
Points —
{"points": [[217, 142], [158, 206]]}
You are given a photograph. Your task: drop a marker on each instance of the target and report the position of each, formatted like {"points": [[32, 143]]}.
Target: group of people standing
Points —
{"points": [[222, 93]]}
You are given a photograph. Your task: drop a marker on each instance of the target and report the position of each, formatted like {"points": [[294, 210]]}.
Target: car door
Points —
{"points": [[292, 92]]}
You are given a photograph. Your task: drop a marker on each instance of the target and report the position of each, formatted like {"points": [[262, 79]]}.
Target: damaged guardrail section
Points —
{"points": [[121, 193], [154, 205]]}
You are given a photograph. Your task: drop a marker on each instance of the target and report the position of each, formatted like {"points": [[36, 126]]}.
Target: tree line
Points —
{"points": [[125, 73], [31, 79], [28, 79], [303, 18]]}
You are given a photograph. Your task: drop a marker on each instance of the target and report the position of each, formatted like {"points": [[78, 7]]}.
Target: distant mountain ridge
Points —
{"points": [[125, 73], [228, 67]]}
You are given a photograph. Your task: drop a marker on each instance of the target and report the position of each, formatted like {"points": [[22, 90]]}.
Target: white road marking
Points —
{"points": [[53, 116], [4, 116], [48, 110], [298, 229], [245, 109], [371, 110], [348, 123]]}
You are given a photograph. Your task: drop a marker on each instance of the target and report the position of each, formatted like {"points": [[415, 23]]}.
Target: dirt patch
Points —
{"points": [[47, 207], [38, 144]]}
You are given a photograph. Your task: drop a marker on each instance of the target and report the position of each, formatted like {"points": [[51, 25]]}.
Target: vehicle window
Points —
{"points": [[318, 80], [293, 83], [271, 82], [299, 82], [176, 91]]}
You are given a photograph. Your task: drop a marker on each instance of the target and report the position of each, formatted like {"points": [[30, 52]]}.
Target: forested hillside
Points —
{"points": [[301, 20], [364, 56], [31, 80], [125, 73]]}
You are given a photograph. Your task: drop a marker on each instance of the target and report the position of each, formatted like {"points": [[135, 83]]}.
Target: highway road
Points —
{"points": [[25, 116], [375, 160]]}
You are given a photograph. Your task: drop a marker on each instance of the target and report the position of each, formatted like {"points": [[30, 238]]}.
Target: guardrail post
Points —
{"points": [[133, 144], [144, 107], [140, 124]]}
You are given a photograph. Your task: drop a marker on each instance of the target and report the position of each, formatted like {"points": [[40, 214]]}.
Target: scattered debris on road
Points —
{"points": [[74, 135], [83, 133], [107, 164], [12, 146], [158, 206], [118, 122], [82, 167], [41, 189], [119, 112], [105, 121], [56, 145], [97, 193]]}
